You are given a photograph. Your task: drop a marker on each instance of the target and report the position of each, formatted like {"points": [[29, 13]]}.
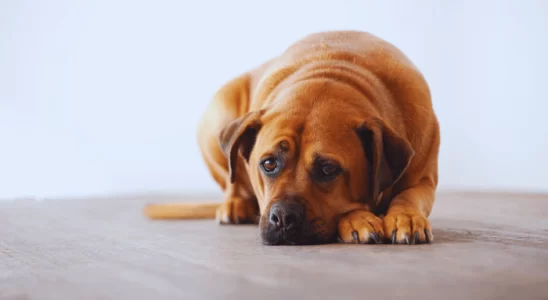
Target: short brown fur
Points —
{"points": [[350, 97]]}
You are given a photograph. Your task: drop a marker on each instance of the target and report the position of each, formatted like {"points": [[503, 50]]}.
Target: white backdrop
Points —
{"points": [[103, 97]]}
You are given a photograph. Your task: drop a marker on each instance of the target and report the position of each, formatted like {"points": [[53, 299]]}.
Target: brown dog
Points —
{"points": [[322, 140]]}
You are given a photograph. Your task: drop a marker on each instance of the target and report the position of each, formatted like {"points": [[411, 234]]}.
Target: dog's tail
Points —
{"points": [[181, 211]]}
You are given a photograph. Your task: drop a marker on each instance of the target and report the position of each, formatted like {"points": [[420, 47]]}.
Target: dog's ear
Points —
{"points": [[239, 137], [388, 154]]}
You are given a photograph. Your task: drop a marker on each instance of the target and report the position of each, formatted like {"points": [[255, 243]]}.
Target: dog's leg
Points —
{"points": [[406, 219], [229, 103]]}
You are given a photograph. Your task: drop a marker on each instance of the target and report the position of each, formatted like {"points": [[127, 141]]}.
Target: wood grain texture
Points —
{"points": [[486, 246]]}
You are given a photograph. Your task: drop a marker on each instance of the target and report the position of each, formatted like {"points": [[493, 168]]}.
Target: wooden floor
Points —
{"points": [[486, 247]]}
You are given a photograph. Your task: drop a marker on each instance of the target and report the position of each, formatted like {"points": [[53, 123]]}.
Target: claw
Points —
{"points": [[394, 236], [427, 236], [373, 238], [416, 238], [355, 235], [407, 239]]}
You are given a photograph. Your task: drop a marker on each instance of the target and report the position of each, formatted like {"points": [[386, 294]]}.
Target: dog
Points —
{"points": [[336, 138]]}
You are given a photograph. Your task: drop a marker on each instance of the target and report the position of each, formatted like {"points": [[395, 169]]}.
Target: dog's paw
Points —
{"points": [[407, 228], [238, 211], [360, 227]]}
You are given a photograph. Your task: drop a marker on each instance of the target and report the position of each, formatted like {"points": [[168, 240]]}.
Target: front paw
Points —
{"points": [[360, 227], [236, 210], [408, 227]]}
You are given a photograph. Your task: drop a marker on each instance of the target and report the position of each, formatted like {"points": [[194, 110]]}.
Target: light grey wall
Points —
{"points": [[100, 97]]}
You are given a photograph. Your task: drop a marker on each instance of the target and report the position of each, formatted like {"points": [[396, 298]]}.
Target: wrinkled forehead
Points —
{"points": [[330, 138], [276, 130], [320, 132]]}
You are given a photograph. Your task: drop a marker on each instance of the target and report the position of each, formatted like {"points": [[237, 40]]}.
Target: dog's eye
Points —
{"points": [[329, 170], [326, 171], [269, 165]]}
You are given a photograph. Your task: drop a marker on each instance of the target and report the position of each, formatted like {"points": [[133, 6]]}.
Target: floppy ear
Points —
{"points": [[388, 154], [239, 137]]}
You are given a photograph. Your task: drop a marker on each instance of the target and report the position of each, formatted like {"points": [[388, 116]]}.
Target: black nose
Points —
{"points": [[287, 215]]}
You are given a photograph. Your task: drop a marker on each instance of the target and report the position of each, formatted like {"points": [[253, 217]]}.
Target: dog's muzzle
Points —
{"points": [[285, 223]]}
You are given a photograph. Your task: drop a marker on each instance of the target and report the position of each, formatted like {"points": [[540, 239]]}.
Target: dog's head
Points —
{"points": [[312, 158]]}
